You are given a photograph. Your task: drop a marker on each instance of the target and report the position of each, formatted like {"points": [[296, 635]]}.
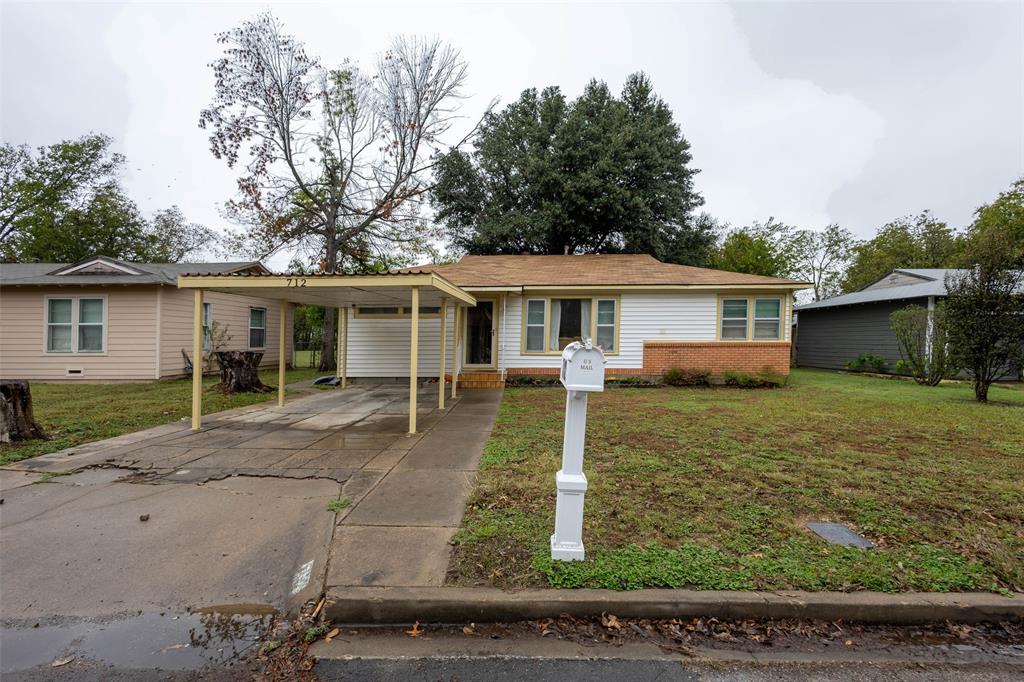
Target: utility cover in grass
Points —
{"points": [[838, 534]]}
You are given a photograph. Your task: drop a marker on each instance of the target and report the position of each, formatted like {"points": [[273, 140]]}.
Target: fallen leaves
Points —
{"points": [[416, 631]]}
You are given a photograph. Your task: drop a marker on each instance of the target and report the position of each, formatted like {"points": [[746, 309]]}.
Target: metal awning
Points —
{"points": [[412, 289]]}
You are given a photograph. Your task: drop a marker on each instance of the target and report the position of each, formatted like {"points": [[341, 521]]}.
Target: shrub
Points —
{"points": [[924, 348], [676, 376], [766, 379], [632, 382], [521, 380], [867, 362]]}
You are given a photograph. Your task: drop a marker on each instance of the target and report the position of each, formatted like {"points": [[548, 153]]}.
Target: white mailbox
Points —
{"points": [[582, 373], [583, 367]]}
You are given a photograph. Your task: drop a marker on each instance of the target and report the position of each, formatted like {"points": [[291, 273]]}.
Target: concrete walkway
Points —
{"points": [[398, 534]]}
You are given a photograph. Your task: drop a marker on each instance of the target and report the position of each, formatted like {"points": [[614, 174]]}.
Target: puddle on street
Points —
{"points": [[168, 641]]}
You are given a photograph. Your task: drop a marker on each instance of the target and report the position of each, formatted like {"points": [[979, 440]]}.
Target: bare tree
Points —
{"points": [[336, 162]]}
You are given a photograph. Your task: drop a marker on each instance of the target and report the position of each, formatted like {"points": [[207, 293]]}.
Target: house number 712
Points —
{"points": [[296, 282]]}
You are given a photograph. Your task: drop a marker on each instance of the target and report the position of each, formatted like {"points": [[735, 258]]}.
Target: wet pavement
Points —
{"points": [[108, 549]]}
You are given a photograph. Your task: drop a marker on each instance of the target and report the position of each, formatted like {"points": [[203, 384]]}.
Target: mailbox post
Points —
{"points": [[582, 373]]}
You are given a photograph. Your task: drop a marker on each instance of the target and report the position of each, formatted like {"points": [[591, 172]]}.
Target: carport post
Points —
{"points": [[281, 339], [344, 349], [444, 341], [337, 344], [197, 362], [414, 350], [456, 332]]}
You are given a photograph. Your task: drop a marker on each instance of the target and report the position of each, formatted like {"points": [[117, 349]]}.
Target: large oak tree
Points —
{"points": [[599, 174]]}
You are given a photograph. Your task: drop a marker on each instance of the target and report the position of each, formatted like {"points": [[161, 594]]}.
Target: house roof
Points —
{"points": [[933, 283], [613, 270], [101, 270]]}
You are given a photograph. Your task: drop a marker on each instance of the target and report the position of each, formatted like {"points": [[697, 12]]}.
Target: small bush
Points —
{"points": [[867, 362], [632, 382], [676, 376], [521, 380], [766, 379]]}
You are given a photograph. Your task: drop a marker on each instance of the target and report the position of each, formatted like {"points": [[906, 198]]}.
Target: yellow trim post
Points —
{"points": [[414, 351], [344, 349], [197, 362], [456, 334], [337, 346], [444, 341], [281, 340]]}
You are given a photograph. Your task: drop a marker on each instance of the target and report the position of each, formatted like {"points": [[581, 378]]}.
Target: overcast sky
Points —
{"points": [[855, 113]]}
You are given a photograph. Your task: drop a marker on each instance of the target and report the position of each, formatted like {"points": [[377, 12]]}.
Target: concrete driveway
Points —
{"points": [[234, 518]]}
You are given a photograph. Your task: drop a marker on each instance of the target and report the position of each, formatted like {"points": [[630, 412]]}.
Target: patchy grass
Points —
{"points": [[338, 504], [72, 414], [710, 488]]}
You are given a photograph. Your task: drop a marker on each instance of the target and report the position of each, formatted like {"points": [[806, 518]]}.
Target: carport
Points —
{"points": [[411, 289]]}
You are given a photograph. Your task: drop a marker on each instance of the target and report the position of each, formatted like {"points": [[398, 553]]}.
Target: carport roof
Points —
{"points": [[332, 289]]}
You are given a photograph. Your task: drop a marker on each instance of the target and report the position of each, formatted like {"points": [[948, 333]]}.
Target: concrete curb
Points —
{"points": [[394, 605]]}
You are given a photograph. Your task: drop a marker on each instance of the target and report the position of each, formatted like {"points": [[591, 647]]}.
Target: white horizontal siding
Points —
{"points": [[379, 347], [644, 317]]}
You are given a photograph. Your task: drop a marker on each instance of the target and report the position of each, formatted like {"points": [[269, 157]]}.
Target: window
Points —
{"points": [[535, 325], [207, 327], [551, 324], [734, 318], [58, 325], [257, 327], [767, 318], [605, 336], [90, 325], [75, 325]]}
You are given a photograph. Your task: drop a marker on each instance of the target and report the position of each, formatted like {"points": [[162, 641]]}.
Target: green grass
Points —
{"points": [[72, 414], [710, 488], [338, 504]]}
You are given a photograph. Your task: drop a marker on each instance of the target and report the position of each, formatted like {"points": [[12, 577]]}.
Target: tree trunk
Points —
{"points": [[980, 391], [16, 420], [239, 372], [327, 341]]}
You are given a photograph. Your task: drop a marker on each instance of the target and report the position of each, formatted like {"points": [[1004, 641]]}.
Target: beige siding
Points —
{"points": [[130, 335], [379, 347], [230, 310]]}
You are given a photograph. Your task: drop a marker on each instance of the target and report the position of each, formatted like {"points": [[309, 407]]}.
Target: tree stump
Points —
{"points": [[239, 372], [16, 420]]}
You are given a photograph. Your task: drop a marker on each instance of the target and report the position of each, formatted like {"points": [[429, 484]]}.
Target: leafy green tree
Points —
{"points": [[1006, 215], [64, 203], [909, 242], [600, 174], [923, 338], [822, 257], [770, 248]]}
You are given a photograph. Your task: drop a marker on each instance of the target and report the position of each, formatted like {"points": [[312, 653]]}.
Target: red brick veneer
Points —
{"points": [[716, 356]]}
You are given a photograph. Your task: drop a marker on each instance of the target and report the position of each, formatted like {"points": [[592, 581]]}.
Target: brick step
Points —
{"points": [[491, 381]]}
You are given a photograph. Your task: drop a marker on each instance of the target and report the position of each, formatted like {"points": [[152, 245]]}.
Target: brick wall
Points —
{"points": [[716, 356]]}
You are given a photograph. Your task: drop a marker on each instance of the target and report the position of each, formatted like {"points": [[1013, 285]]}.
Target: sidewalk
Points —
{"points": [[397, 534]]}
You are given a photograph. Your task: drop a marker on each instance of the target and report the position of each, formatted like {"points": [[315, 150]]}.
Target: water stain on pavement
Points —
{"points": [[212, 637]]}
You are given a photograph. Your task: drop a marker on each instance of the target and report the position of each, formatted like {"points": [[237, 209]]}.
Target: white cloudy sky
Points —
{"points": [[813, 113]]}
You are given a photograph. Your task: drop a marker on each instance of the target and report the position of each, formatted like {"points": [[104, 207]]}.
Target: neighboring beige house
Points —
{"points": [[106, 320]]}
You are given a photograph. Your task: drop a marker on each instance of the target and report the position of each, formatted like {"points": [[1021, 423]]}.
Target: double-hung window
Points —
{"points": [[257, 327], [75, 325], [767, 318], [734, 319], [207, 327], [551, 324]]}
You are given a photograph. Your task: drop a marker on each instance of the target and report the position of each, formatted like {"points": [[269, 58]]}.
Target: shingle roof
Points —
{"points": [[588, 270], [934, 285], [37, 274]]}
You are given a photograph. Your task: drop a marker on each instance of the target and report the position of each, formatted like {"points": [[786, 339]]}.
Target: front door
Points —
{"points": [[480, 335]]}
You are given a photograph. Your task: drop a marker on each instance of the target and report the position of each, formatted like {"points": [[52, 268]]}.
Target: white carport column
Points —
{"points": [[456, 334], [197, 362], [282, 339], [444, 342], [414, 351]]}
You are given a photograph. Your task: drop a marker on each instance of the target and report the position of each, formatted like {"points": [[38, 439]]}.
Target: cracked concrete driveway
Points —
{"points": [[236, 513]]}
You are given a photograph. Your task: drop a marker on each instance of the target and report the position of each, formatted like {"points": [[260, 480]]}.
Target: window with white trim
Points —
{"points": [[257, 327], [605, 325], [734, 319], [207, 327], [767, 318], [75, 325], [535, 325]]}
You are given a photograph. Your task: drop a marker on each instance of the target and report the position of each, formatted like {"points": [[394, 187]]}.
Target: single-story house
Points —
{"points": [[831, 332], [103, 319], [648, 316]]}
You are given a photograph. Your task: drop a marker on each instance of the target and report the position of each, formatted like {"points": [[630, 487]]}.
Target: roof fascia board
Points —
{"points": [[665, 287]]}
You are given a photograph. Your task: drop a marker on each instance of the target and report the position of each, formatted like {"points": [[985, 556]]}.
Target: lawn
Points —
{"points": [[72, 414], [710, 488]]}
